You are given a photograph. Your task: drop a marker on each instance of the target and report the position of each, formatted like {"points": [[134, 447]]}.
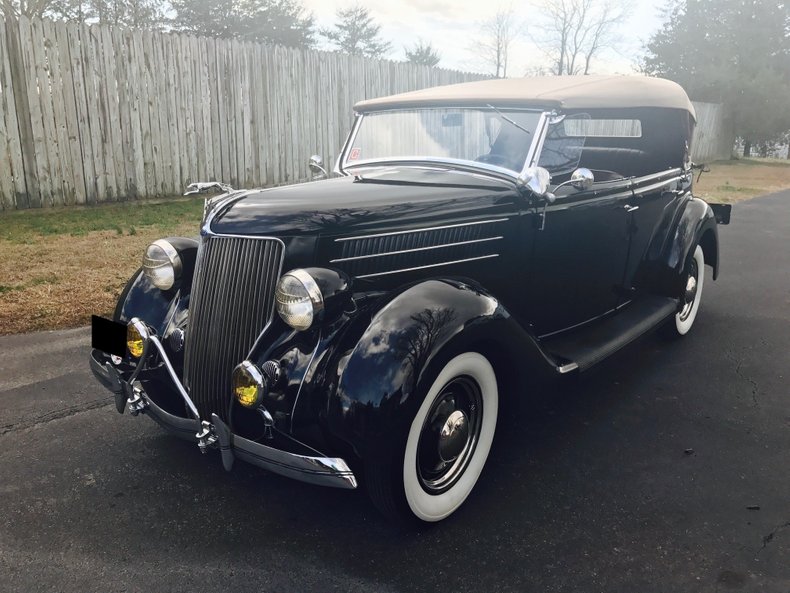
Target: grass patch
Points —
{"points": [[122, 218], [59, 266], [734, 181]]}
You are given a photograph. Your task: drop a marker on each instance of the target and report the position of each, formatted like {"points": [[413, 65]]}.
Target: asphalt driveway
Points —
{"points": [[667, 470]]}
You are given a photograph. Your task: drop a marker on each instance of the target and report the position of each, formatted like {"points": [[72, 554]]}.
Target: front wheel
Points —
{"points": [[446, 447]]}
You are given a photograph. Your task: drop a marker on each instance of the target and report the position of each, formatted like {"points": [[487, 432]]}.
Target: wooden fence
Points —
{"points": [[714, 136], [91, 114]]}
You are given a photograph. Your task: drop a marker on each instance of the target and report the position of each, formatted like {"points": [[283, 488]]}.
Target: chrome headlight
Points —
{"points": [[162, 264], [299, 299]]}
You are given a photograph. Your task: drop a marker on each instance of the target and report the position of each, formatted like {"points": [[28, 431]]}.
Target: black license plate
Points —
{"points": [[722, 212], [108, 336]]}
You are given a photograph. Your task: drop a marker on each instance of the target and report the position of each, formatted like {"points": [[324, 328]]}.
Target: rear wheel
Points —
{"points": [[688, 305], [446, 447]]}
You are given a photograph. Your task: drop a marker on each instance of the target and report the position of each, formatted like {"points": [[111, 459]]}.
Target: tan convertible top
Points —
{"points": [[563, 92]]}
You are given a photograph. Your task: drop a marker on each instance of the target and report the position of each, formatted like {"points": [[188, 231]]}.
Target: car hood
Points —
{"points": [[383, 199]]}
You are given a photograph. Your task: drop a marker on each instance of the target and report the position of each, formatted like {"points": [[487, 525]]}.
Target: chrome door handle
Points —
{"points": [[630, 208]]}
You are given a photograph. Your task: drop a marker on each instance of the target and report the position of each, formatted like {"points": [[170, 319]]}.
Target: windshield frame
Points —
{"points": [[343, 167]]}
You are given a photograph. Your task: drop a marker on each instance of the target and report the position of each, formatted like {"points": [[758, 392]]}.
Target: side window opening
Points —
{"points": [[563, 146], [614, 147]]}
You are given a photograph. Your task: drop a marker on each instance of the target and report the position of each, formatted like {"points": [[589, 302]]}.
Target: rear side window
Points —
{"points": [[604, 128]]}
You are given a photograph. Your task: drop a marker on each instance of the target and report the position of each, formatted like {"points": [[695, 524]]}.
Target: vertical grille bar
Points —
{"points": [[231, 302]]}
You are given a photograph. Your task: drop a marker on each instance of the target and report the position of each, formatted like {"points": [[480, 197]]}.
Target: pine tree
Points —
{"points": [[283, 22], [356, 33], [422, 53]]}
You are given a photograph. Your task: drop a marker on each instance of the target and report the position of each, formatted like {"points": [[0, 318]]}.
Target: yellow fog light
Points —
{"points": [[136, 335], [248, 384]]}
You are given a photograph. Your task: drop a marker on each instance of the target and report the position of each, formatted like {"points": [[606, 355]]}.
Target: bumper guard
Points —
{"points": [[324, 471]]}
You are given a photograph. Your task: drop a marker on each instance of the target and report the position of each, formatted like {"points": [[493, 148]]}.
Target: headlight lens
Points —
{"points": [[248, 384], [135, 341], [162, 264], [299, 300]]}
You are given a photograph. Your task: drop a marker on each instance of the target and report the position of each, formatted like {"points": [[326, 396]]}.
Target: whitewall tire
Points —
{"points": [[692, 294], [450, 437]]}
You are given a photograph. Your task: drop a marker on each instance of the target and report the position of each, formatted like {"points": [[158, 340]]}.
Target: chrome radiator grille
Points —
{"points": [[232, 299]]}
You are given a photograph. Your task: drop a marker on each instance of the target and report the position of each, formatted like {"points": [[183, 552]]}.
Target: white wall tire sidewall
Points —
{"points": [[683, 326], [429, 507]]}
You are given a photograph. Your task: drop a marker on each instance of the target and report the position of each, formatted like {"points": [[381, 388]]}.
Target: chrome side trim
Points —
{"points": [[447, 263], [567, 368], [434, 228], [402, 251], [422, 159], [537, 146]]}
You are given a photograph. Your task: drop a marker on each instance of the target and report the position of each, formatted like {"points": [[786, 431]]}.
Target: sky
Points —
{"points": [[451, 25]]}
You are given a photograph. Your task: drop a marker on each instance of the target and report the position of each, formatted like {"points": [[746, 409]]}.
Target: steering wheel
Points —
{"points": [[492, 159]]}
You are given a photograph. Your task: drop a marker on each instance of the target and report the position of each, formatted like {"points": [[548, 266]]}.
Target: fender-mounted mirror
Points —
{"points": [[582, 178]]}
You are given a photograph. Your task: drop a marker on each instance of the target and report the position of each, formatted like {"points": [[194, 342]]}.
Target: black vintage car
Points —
{"points": [[367, 327]]}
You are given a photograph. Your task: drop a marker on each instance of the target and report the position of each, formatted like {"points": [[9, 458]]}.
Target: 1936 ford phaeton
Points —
{"points": [[367, 326]]}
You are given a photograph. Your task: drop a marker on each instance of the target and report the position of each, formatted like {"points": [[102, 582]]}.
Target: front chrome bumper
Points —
{"points": [[324, 471]]}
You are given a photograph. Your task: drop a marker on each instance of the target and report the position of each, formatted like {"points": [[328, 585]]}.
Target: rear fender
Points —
{"points": [[377, 379], [695, 224]]}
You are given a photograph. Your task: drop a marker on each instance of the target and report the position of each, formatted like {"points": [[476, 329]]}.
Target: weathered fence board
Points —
{"points": [[92, 114]]}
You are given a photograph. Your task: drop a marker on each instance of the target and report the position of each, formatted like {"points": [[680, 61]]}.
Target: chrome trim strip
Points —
{"points": [[402, 251], [219, 205], [434, 228], [448, 263], [567, 368], [421, 159], [537, 145]]}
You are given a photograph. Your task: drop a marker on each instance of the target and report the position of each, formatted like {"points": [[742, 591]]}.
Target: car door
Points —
{"points": [[579, 255], [654, 203]]}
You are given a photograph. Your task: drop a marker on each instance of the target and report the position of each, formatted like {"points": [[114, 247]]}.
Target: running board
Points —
{"points": [[596, 341]]}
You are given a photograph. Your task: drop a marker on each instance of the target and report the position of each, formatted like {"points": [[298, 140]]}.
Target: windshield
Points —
{"points": [[500, 137]]}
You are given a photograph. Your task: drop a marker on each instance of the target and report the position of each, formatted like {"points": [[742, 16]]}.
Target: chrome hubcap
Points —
{"points": [[690, 294], [449, 435], [454, 436]]}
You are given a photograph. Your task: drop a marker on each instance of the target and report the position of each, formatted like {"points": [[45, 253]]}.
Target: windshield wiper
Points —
{"points": [[508, 120]]}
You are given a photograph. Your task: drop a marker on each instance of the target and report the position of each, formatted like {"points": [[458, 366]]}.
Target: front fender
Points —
{"points": [[383, 371], [142, 299]]}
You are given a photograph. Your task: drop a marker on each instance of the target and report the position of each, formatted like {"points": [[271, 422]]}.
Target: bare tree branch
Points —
{"points": [[573, 32], [492, 47]]}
